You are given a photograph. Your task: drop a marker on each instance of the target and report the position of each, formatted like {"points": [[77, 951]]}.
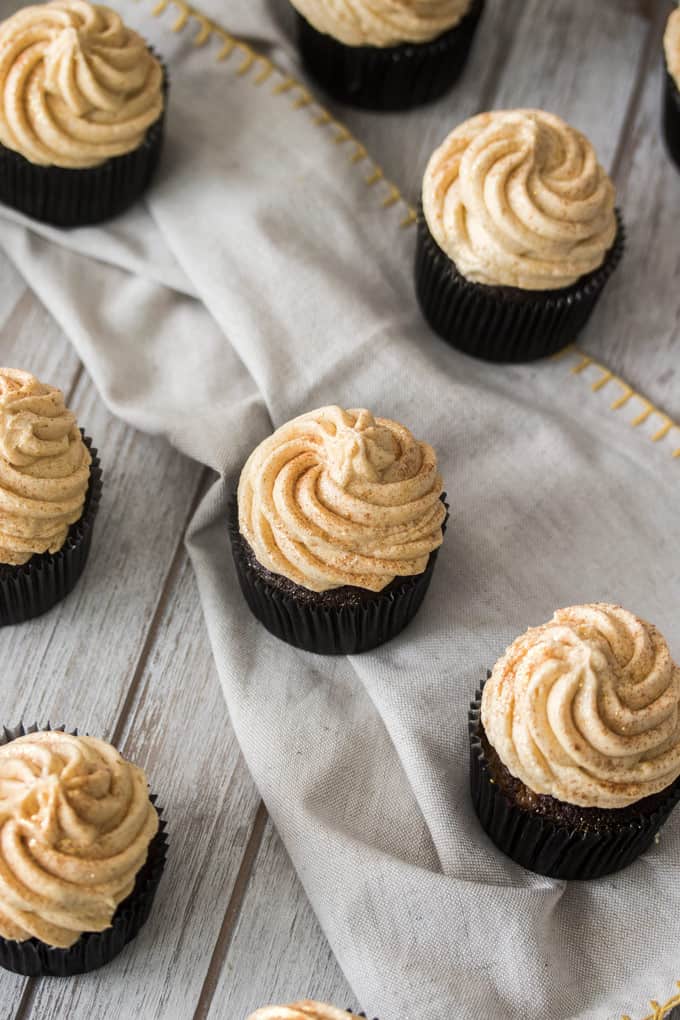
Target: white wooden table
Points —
{"points": [[127, 655]]}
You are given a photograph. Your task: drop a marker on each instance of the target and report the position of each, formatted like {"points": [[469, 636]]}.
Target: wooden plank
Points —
{"points": [[278, 952], [178, 729]]}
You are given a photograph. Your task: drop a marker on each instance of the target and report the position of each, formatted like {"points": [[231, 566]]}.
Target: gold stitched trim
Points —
{"points": [[323, 118]]}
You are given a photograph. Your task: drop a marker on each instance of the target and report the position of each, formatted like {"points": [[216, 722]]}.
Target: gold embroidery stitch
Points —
{"points": [[660, 1012]]}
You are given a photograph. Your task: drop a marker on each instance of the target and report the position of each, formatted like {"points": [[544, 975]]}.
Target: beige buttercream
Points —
{"points": [[75, 826], [44, 467], [585, 708], [671, 44], [382, 22], [517, 198], [306, 1010], [76, 86], [339, 498]]}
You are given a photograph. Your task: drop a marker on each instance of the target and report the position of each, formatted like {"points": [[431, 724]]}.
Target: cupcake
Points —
{"points": [[386, 54], [671, 114], [335, 530], [306, 1010], [517, 235], [81, 113], [50, 486], [82, 850], [575, 748]]}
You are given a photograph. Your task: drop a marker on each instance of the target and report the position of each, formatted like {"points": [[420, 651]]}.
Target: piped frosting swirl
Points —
{"points": [[306, 1010], [76, 86], [338, 498], [382, 22], [517, 198], [75, 826], [671, 44], [586, 708], [44, 467]]}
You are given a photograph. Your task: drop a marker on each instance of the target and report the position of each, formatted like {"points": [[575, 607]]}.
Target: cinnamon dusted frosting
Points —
{"points": [[44, 467], [306, 1010], [517, 198], [671, 44], [75, 826], [382, 22], [339, 498], [586, 708], [76, 86]]}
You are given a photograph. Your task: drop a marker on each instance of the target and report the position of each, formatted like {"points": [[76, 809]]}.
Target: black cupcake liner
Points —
{"points": [[504, 324], [93, 950], [31, 589], [358, 625], [390, 78], [671, 117], [542, 845], [66, 197]]}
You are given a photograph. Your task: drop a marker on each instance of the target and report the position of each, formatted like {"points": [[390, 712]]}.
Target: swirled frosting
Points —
{"points": [[671, 44], [76, 86], [517, 198], [306, 1010], [44, 467], [586, 708], [382, 22], [339, 498], [75, 826]]}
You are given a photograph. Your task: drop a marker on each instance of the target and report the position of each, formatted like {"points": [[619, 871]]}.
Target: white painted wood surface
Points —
{"points": [[127, 656]]}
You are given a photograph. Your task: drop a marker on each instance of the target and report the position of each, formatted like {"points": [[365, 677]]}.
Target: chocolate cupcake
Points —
{"points": [[82, 102], [517, 235], [82, 852], [50, 486], [336, 528], [671, 108], [306, 1010], [575, 747], [386, 54]]}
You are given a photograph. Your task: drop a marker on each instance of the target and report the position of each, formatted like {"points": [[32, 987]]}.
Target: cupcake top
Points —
{"points": [[517, 198], [44, 467], [76, 86], [382, 22], [671, 45], [75, 826], [306, 1010], [338, 498], [585, 708]]}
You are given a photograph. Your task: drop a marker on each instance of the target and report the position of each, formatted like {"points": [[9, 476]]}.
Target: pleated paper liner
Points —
{"points": [[66, 197], [504, 324], [671, 117], [31, 589], [543, 845], [344, 621], [33, 958], [393, 77]]}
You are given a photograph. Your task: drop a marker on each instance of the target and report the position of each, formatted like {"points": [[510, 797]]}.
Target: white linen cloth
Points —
{"points": [[263, 278]]}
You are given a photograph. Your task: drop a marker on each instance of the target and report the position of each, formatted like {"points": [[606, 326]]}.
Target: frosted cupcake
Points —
{"points": [[386, 54], [306, 1010], [336, 529], [81, 113], [517, 235], [671, 114], [575, 749], [50, 486], [82, 850]]}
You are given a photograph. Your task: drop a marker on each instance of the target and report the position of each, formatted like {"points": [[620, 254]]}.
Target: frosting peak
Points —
{"points": [[338, 498], [517, 198], [671, 43], [76, 86], [75, 826], [382, 22], [306, 1010], [44, 467], [586, 708]]}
